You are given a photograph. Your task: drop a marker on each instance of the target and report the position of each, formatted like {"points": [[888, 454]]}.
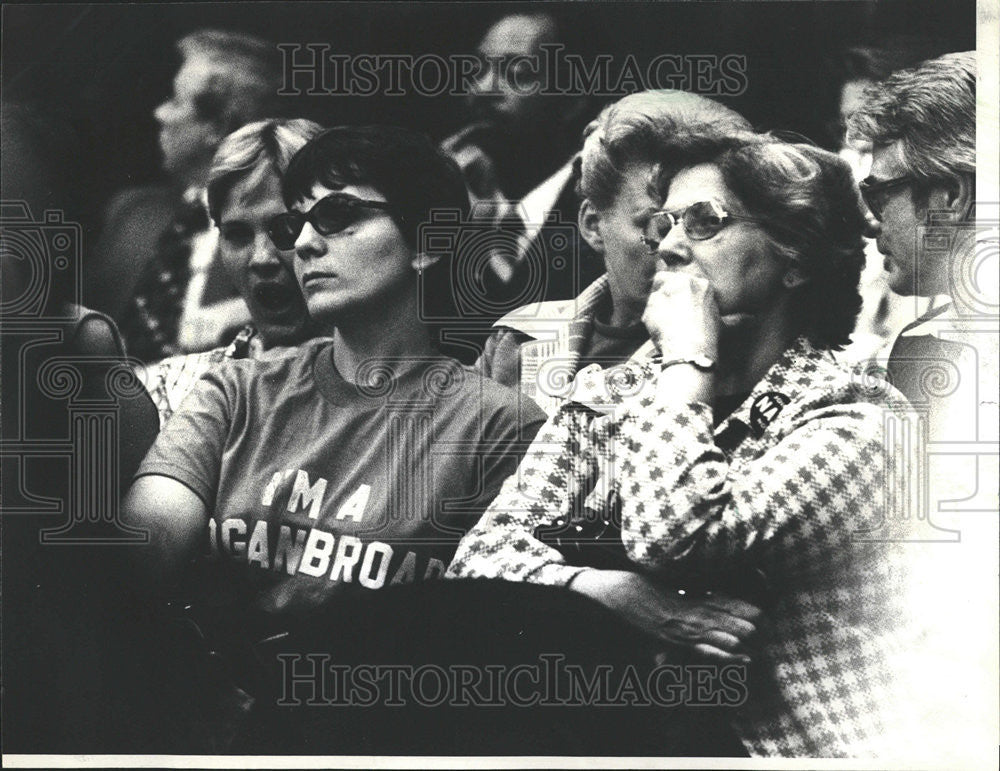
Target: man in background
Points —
{"points": [[516, 156], [155, 267], [921, 123], [883, 313]]}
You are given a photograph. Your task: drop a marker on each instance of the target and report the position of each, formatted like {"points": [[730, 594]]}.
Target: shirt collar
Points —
{"points": [[543, 199], [941, 314]]}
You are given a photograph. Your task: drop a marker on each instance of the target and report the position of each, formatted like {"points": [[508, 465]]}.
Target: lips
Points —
{"points": [[316, 275]]}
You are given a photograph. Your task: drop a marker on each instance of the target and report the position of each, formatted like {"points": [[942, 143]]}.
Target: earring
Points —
{"points": [[792, 279]]}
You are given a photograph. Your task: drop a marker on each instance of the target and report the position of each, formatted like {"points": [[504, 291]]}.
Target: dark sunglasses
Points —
{"points": [[329, 215], [872, 192], [701, 221]]}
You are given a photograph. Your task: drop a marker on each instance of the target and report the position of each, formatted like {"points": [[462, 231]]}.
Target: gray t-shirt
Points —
{"points": [[316, 485]]}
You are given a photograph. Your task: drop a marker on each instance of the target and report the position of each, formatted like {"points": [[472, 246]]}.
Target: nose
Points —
{"points": [[309, 244], [873, 227], [162, 113], [485, 82], [674, 249], [265, 259]]}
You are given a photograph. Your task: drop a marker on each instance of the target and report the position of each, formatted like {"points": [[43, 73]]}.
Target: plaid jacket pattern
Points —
{"points": [[792, 484], [170, 380]]}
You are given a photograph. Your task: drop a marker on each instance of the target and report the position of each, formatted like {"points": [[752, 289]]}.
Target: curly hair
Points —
{"points": [[807, 201], [648, 127]]}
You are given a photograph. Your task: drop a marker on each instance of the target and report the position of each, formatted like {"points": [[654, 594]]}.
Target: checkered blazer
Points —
{"points": [[793, 484]]}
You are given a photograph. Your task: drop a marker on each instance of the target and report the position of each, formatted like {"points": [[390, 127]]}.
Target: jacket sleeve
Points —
{"points": [[502, 545], [798, 508]]}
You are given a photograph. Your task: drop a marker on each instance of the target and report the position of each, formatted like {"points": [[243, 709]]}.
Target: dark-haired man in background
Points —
{"points": [[516, 155]]}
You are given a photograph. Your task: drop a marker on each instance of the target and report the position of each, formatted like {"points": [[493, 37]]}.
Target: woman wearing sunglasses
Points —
{"points": [[743, 454], [541, 347], [357, 460]]}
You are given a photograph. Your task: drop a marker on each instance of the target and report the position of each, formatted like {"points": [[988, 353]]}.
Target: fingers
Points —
{"points": [[711, 653], [659, 278], [724, 622], [733, 606], [733, 626], [681, 631], [671, 282], [718, 638], [705, 651], [709, 621]]}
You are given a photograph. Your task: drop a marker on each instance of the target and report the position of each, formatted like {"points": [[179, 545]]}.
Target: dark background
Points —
{"points": [[104, 68]]}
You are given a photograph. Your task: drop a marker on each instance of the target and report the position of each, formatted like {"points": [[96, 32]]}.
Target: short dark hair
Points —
{"points": [[416, 177], [807, 200]]}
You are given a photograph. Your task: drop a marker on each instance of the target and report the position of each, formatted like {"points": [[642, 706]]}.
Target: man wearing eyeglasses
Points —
{"points": [[922, 125]]}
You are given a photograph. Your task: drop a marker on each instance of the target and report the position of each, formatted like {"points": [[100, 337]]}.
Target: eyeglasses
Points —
{"points": [[329, 215], [872, 192], [701, 221]]}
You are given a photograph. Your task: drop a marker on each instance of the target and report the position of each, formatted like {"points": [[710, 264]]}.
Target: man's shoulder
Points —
{"points": [[493, 397], [547, 318], [539, 319], [135, 201]]}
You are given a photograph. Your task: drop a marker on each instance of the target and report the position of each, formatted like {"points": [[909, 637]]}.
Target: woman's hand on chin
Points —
{"points": [[717, 627], [682, 316]]}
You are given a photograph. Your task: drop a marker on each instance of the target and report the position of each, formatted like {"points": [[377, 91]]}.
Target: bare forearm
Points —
{"points": [[174, 519]]}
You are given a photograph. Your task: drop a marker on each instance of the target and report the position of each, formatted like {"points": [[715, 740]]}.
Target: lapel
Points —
{"points": [[549, 364], [788, 381]]}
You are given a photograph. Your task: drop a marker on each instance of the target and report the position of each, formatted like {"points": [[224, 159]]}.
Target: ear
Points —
{"points": [[963, 200], [589, 220], [423, 260], [955, 195], [793, 277]]}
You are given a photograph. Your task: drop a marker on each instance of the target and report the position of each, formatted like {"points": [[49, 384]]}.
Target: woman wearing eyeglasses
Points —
{"points": [[743, 455], [541, 347], [356, 461]]}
